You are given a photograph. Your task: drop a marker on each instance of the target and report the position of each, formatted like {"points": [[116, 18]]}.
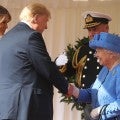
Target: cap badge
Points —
{"points": [[89, 18]]}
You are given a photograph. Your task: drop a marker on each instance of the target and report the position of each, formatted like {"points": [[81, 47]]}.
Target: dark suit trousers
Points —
{"points": [[41, 107]]}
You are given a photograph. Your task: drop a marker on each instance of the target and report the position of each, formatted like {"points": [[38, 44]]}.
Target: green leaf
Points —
{"points": [[70, 50]]}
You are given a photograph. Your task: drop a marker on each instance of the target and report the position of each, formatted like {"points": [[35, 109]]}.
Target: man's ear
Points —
{"points": [[107, 27], [34, 20]]}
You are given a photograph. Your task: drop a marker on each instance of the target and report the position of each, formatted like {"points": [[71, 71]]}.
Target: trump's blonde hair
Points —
{"points": [[33, 9]]}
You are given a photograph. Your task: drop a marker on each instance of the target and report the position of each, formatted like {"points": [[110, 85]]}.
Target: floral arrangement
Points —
{"points": [[73, 70]]}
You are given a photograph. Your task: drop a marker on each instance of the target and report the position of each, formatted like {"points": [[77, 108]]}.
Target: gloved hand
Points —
{"points": [[95, 113], [61, 60], [73, 91]]}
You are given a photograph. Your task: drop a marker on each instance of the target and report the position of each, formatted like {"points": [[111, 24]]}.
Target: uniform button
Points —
{"points": [[98, 67], [88, 59], [83, 76], [85, 67], [90, 52], [83, 85]]}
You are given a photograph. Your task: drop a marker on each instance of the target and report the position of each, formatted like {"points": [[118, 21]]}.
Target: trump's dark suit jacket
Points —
{"points": [[27, 76]]}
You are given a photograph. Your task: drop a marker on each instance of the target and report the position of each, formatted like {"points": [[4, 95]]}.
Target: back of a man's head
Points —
{"points": [[28, 13]]}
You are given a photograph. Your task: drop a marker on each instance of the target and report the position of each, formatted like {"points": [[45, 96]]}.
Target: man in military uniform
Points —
{"points": [[95, 23]]}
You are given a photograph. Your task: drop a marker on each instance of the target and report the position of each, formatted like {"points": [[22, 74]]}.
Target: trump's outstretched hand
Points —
{"points": [[73, 91]]}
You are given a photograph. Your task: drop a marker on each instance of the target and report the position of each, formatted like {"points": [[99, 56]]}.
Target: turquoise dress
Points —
{"points": [[104, 91]]}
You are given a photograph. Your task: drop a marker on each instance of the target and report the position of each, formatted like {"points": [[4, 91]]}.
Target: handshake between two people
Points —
{"points": [[62, 60], [75, 92]]}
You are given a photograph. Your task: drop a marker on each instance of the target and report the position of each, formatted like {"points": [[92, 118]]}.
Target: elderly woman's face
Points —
{"points": [[103, 56]]}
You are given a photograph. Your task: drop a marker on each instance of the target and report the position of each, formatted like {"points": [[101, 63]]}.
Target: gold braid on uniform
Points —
{"points": [[78, 65], [63, 68], [73, 70]]}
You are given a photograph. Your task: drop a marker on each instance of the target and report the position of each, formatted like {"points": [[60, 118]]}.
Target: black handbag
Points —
{"points": [[102, 111]]}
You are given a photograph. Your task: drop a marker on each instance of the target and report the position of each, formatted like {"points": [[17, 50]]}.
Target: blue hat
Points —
{"points": [[107, 41]]}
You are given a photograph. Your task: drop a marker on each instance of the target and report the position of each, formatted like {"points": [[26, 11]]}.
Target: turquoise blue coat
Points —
{"points": [[105, 90]]}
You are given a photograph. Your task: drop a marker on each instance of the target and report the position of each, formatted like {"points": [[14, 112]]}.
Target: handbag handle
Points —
{"points": [[102, 111]]}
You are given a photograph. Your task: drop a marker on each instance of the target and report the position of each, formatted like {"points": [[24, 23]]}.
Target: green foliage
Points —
{"points": [[70, 50]]}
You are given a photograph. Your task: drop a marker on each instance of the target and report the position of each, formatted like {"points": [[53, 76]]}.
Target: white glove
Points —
{"points": [[95, 113], [61, 60]]}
